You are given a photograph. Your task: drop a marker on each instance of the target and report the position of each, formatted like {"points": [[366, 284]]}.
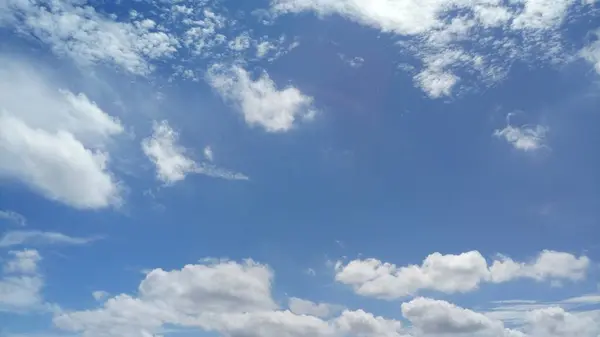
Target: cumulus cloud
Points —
{"points": [[33, 237], [89, 37], [235, 299], [172, 161], [517, 30], [454, 273], [364, 324], [20, 285], [260, 101], [227, 297], [54, 140], [556, 322]]}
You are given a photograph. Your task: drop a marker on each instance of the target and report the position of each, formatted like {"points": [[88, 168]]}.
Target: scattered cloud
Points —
{"points": [[54, 140], [525, 137], [172, 161], [354, 62], [260, 101], [170, 158], [33, 237], [89, 37], [13, 217], [455, 273], [518, 30]]}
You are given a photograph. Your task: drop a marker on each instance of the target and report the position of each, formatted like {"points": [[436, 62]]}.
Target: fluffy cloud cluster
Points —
{"points": [[455, 273], [171, 161], [497, 32], [21, 284], [55, 141], [260, 101], [231, 298], [235, 299]]}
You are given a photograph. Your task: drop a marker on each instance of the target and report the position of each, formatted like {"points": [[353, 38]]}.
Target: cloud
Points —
{"points": [[89, 37], [33, 237], [454, 273], [100, 295], [260, 101], [20, 286], [13, 217], [364, 324], [54, 141], [525, 137], [354, 62], [23, 262], [519, 30], [227, 297], [591, 53], [304, 307], [556, 322], [171, 160], [436, 317], [235, 299], [171, 163], [208, 154]]}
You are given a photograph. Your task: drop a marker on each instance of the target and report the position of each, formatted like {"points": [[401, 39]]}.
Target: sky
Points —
{"points": [[299, 168]]}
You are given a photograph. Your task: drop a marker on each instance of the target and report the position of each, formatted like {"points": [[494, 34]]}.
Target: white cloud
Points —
{"points": [[556, 322], [440, 317], [591, 53], [304, 307], [33, 237], [524, 138], [171, 160], [515, 30], [363, 324], [354, 62], [53, 140], [100, 295], [235, 299], [13, 217], [547, 266], [21, 284], [208, 154], [260, 101], [90, 37], [23, 262], [230, 298], [454, 273]]}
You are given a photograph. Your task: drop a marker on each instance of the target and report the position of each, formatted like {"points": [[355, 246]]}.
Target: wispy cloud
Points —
{"points": [[13, 217], [172, 160], [20, 238], [524, 137]]}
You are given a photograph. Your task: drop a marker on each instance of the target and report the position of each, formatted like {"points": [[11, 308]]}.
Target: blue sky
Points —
{"points": [[299, 168]]}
